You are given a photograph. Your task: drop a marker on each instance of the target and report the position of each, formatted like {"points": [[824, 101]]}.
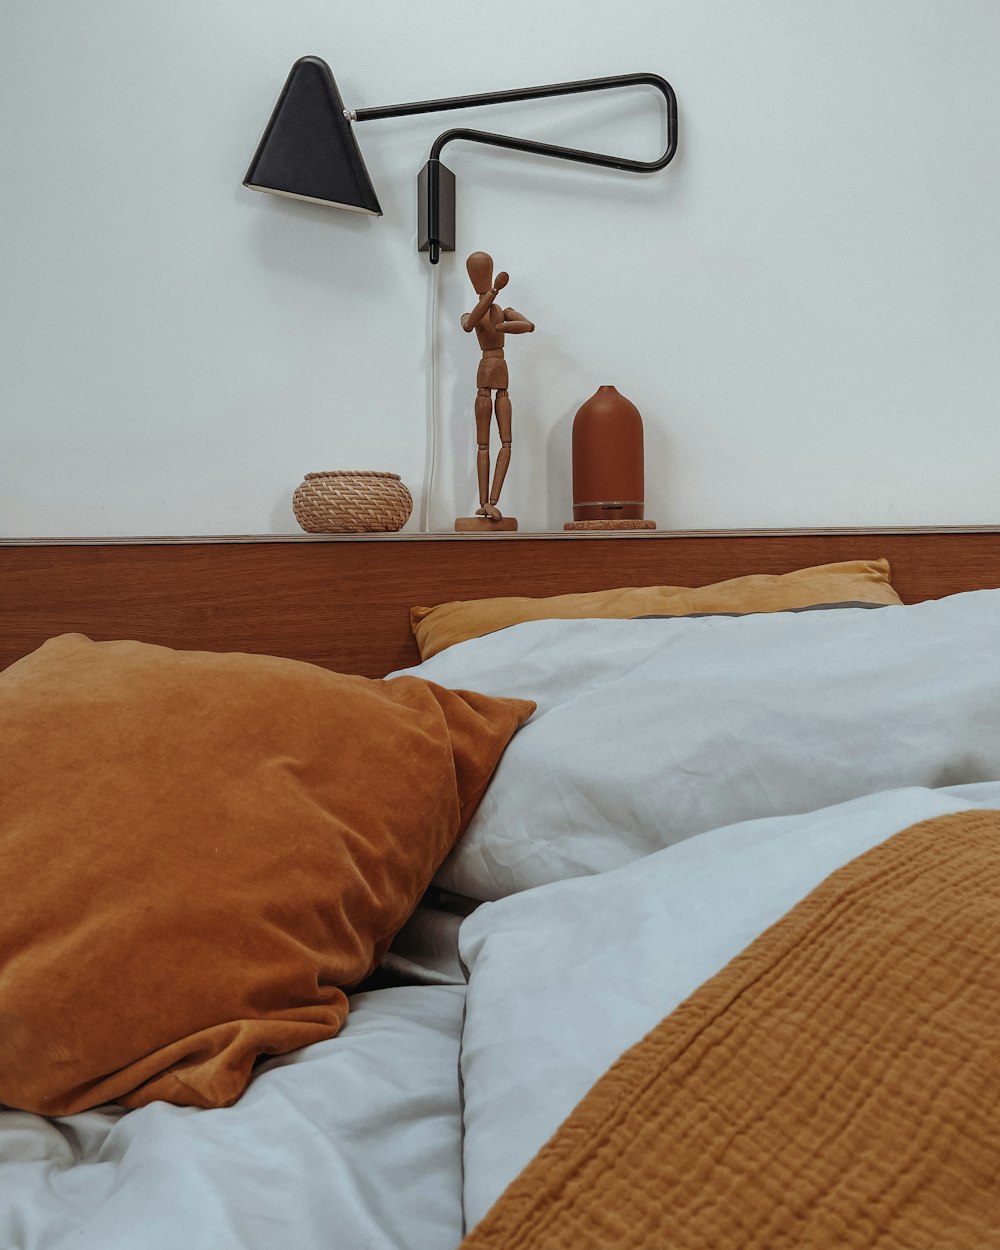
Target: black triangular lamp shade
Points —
{"points": [[308, 151]]}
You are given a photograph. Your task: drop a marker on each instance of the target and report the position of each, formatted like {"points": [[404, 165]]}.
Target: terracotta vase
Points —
{"points": [[608, 479]]}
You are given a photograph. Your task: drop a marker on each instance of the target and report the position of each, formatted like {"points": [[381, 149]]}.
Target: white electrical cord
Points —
{"points": [[431, 400]]}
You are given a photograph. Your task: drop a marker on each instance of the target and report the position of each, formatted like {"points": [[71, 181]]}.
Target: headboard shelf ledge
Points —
{"points": [[343, 601]]}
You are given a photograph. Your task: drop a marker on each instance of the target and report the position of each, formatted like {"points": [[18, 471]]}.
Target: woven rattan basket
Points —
{"points": [[351, 502]]}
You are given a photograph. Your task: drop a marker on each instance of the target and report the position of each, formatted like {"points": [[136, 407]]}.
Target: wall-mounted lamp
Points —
{"points": [[309, 151]]}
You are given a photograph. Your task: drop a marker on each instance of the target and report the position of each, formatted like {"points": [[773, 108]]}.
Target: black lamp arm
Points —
{"points": [[563, 153], [438, 224], [616, 81], [525, 93]]}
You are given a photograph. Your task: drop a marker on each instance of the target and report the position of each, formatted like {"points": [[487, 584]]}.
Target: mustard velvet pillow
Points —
{"points": [[858, 581], [198, 852]]}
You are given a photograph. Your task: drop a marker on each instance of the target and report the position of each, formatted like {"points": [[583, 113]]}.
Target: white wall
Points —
{"points": [[803, 305]]}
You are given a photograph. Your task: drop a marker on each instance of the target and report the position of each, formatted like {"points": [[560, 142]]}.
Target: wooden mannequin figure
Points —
{"points": [[491, 324]]}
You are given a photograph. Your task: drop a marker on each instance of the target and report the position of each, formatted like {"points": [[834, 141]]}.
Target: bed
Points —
{"points": [[673, 924]]}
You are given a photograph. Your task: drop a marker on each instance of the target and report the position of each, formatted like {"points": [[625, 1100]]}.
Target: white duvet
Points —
{"points": [[649, 731], [351, 1144]]}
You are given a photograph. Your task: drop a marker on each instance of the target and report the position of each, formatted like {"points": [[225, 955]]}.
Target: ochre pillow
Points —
{"points": [[857, 581], [199, 852]]}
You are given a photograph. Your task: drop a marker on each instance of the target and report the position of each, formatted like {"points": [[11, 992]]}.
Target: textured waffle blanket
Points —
{"points": [[837, 1085]]}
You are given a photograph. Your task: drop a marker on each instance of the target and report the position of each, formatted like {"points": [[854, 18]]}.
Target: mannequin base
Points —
{"points": [[483, 525]]}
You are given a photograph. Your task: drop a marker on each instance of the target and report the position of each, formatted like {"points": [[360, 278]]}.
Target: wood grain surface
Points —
{"points": [[345, 604]]}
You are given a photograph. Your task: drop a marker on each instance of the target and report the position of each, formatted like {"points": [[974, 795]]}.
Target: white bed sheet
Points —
{"points": [[566, 977], [351, 1144], [425, 950], [650, 731]]}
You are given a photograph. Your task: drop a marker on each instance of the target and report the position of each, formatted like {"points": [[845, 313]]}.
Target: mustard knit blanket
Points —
{"points": [[836, 1086]]}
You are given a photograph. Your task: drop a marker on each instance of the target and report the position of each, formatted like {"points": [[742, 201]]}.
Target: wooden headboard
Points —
{"points": [[343, 601]]}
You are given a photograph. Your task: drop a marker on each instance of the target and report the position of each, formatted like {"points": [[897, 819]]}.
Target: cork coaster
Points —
{"points": [[610, 525]]}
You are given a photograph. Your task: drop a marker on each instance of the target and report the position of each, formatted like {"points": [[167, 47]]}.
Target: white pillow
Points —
{"points": [[563, 979], [649, 731]]}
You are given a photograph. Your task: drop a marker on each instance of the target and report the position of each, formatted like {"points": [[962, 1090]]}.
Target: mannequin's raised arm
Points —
{"points": [[472, 319]]}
